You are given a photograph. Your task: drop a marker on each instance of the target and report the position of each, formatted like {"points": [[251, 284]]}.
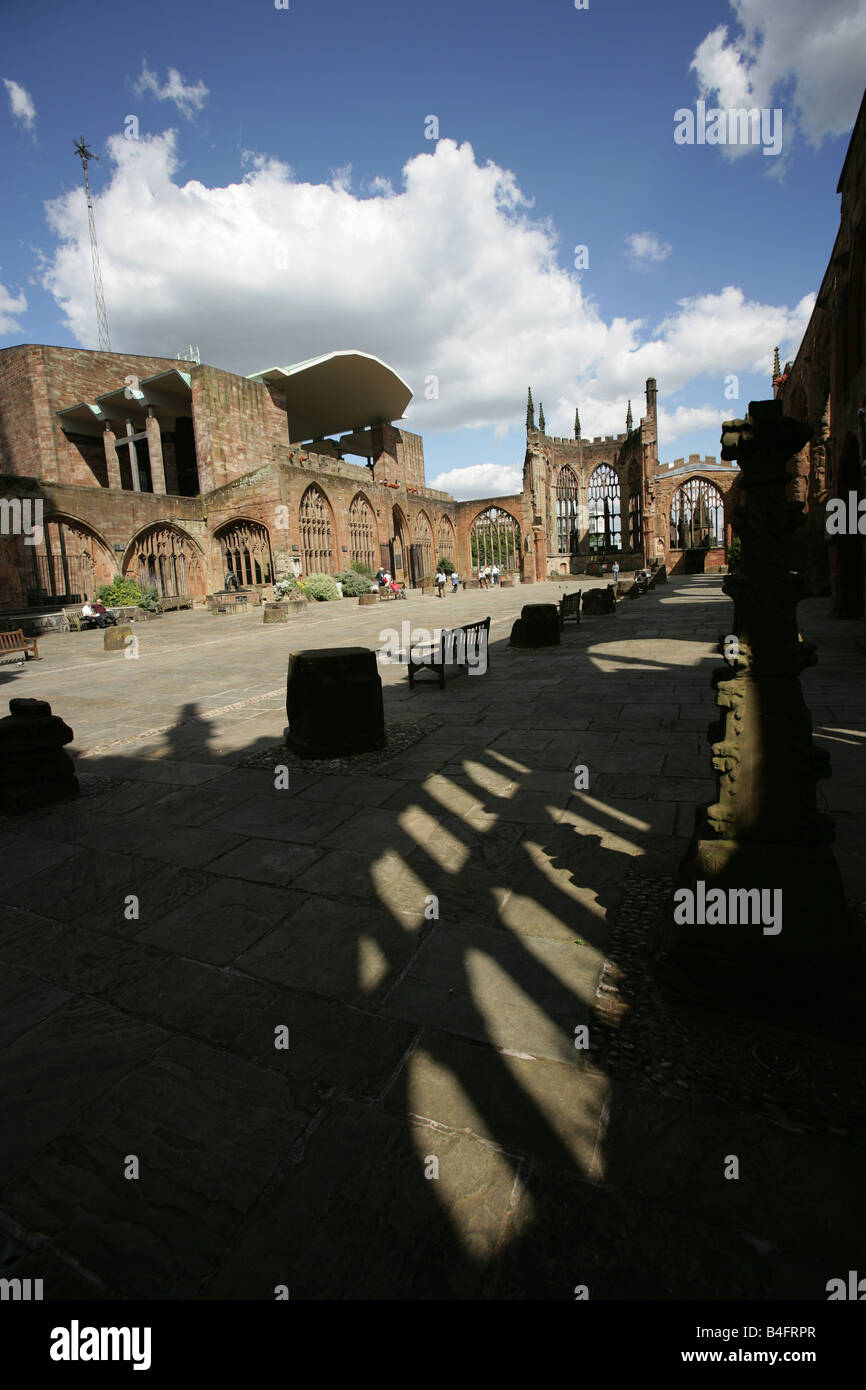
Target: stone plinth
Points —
{"points": [[537, 626], [34, 769], [597, 601], [114, 639], [365, 600], [275, 613], [334, 702]]}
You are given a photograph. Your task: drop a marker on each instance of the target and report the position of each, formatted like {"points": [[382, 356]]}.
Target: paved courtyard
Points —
{"points": [[426, 934]]}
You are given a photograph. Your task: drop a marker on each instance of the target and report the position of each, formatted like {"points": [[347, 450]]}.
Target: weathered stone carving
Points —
{"points": [[764, 830]]}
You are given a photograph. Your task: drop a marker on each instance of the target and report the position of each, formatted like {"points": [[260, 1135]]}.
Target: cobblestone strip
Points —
{"points": [[178, 724]]}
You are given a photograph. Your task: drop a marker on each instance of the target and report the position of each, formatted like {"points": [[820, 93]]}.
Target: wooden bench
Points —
{"points": [[452, 649], [569, 607], [12, 642], [76, 621]]}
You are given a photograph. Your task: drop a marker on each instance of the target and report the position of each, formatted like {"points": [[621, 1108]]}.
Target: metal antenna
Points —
{"points": [[101, 317]]}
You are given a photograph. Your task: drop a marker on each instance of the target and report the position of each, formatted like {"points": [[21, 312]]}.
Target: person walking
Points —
{"points": [[455, 581], [495, 573], [440, 584], [615, 572]]}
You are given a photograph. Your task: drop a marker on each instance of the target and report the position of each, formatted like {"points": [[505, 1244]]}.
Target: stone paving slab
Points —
{"points": [[431, 932]]}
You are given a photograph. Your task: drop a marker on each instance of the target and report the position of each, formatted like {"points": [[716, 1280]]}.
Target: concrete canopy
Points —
{"points": [[344, 390]]}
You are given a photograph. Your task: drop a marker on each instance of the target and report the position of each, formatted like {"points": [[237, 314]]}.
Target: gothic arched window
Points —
{"points": [[566, 512], [605, 519], [316, 535], [697, 516], [362, 533]]}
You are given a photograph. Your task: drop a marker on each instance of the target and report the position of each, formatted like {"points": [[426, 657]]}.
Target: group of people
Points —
{"points": [[488, 576], [385, 581], [441, 581], [98, 614]]}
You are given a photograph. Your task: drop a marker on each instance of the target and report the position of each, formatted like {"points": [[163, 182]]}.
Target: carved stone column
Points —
{"points": [[764, 829]]}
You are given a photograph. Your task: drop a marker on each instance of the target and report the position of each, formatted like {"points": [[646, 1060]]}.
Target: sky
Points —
{"points": [[486, 195]]}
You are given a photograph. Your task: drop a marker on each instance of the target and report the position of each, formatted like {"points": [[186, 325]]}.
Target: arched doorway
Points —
{"points": [[494, 539], [317, 532], [422, 548], [245, 548], [68, 564], [400, 547], [165, 558]]}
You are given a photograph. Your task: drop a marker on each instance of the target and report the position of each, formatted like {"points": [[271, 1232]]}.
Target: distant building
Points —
{"points": [[173, 472]]}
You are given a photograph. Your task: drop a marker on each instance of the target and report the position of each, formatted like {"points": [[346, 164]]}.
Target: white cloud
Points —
{"points": [[645, 248], [187, 97], [480, 480], [20, 102], [341, 179], [10, 307], [811, 53], [449, 277]]}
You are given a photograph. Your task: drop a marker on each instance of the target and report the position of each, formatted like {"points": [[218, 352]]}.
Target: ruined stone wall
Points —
{"points": [[36, 381], [826, 386], [238, 425]]}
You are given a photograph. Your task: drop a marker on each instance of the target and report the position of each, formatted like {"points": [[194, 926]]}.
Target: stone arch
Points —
{"points": [[422, 547], [446, 544], [566, 511], [400, 544], [165, 557], [697, 516], [316, 528], [363, 533], [68, 563], [494, 538], [605, 509], [245, 549]]}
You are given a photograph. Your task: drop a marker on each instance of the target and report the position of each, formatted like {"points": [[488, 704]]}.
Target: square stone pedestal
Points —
{"points": [[334, 702]]}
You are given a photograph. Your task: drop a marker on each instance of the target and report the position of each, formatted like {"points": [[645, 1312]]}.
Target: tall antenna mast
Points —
{"points": [[101, 317]]}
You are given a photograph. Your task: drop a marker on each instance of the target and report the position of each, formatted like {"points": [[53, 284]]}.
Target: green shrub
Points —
{"points": [[360, 568], [446, 566], [354, 585], [321, 587], [127, 593]]}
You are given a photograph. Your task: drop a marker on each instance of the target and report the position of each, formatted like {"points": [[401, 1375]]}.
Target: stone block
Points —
{"points": [[334, 702], [114, 639], [275, 613], [596, 601], [366, 599], [537, 626], [34, 769]]}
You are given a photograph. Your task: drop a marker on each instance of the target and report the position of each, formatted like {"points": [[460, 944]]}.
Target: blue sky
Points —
{"points": [[280, 197]]}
